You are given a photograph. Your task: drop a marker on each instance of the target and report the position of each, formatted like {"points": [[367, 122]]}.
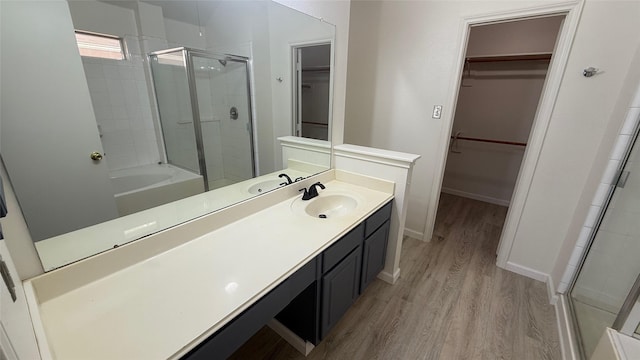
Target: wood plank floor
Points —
{"points": [[451, 302]]}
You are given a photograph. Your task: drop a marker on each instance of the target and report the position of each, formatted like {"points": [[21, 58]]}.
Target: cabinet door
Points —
{"points": [[340, 288], [374, 254]]}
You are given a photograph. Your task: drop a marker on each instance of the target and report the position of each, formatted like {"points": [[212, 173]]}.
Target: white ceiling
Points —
{"points": [[180, 10]]}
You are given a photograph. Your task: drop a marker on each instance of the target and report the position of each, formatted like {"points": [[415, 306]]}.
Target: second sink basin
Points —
{"points": [[264, 186]]}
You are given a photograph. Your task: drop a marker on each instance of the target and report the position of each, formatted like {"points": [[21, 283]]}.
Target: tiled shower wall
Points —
{"points": [[123, 111], [618, 240], [227, 142]]}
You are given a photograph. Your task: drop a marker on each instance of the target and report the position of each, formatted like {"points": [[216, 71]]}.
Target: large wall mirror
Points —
{"points": [[123, 118]]}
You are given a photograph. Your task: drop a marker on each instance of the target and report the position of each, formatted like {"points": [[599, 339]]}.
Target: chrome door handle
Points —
{"points": [[95, 156], [622, 180]]}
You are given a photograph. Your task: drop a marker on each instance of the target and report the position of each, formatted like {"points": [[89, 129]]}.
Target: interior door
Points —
{"points": [[298, 90], [47, 134], [17, 340]]}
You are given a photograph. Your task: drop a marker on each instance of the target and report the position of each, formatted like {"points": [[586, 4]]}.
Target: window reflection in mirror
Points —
{"points": [[156, 137]]}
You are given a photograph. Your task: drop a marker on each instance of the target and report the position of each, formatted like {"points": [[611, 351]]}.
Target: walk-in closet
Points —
{"points": [[503, 77]]}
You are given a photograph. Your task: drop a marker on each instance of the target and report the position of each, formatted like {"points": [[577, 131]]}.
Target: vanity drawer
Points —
{"points": [[342, 248], [377, 219]]}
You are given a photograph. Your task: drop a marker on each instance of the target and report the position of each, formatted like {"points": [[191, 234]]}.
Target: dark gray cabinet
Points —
{"points": [[340, 288], [374, 253], [235, 333], [312, 300]]}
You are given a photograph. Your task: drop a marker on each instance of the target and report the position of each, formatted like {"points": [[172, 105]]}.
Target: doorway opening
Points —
{"points": [[503, 79], [312, 69]]}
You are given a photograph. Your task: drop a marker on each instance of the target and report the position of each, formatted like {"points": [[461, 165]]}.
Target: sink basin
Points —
{"points": [[330, 206], [264, 186]]}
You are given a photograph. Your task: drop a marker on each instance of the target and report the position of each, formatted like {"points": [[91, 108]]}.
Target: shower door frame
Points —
{"points": [[623, 317], [187, 56]]}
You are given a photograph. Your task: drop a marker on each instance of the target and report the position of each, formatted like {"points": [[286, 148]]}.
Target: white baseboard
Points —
{"points": [[525, 271], [418, 235], [389, 278], [303, 346], [473, 196], [551, 291], [565, 330]]}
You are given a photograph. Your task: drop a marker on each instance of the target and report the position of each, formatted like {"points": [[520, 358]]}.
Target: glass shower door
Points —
{"points": [[611, 265], [222, 91], [174, 105]]}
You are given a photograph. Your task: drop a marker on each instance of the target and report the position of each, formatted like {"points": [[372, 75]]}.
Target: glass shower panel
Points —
{"points": [[225, 117], [174, 105], [611, 265]]}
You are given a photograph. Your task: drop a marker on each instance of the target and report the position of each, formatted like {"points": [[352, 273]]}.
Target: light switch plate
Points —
{"points": [[437, 111]]}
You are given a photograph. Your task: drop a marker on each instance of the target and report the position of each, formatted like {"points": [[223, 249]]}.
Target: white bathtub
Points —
{"points": [[144, 187]]}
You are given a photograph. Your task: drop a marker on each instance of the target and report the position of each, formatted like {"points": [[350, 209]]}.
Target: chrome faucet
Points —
{"points": [[312, 192], [288, 179]]}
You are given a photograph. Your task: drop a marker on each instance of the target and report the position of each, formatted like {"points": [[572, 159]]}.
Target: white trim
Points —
{"points": [[525, 271], [298, 343], [478, 197], [389, 278], [306, 143], [6, 348], [36, 320], [378, 156], [551, 291], [397, 156], [413, 234], [631, 323], [565, 330], [572, 11]]}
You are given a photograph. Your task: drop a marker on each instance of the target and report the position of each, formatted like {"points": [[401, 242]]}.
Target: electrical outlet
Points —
{"points": [[437, 111]]}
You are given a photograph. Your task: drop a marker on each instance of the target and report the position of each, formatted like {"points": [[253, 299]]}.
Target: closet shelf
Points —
{"points": [[489, 140], [521, 57]]}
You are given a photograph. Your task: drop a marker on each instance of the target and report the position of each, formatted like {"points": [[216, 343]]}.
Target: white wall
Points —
{"points": [[605, 39], [390, 97], [497, 100]]}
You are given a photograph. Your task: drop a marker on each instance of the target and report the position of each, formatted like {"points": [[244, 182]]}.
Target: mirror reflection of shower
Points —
{"points": [[195, 92]]}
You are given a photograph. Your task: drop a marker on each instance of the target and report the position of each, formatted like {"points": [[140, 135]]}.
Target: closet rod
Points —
{"points": [[489, 141], [508, 58], [315, 123]]}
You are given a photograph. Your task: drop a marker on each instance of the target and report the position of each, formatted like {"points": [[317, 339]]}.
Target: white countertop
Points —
{"points": [[165, 305], [73, 246]]}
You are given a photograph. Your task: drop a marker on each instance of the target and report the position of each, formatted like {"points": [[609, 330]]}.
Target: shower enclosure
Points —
{"points": [[205, 113], [606, 289]]}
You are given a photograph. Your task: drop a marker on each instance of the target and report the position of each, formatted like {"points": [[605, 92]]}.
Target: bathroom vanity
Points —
{"points": [[312, 300], [199, 290]]}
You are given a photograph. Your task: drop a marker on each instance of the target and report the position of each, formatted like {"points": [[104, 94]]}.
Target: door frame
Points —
{"points": [[293, 47], [572, 11]]}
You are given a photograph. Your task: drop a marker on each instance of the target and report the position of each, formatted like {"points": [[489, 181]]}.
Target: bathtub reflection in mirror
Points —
{"points": [[188, 119]]}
